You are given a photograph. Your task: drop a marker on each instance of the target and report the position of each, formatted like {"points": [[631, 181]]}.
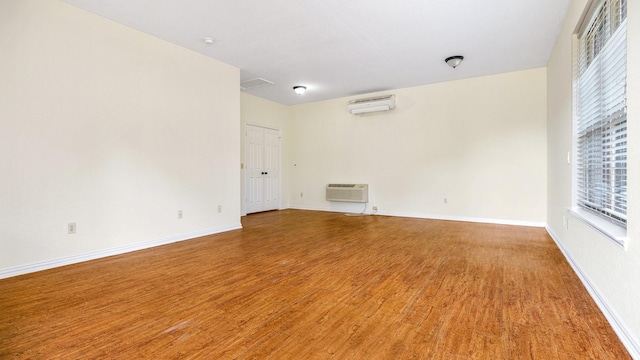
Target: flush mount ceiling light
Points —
{"points": [[208, 40], [299, 89], [454, 61]]}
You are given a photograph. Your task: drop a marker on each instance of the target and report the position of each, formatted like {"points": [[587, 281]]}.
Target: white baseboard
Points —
{"points": [[616, 322], [50, 264], [468, 219], [440, 217]]}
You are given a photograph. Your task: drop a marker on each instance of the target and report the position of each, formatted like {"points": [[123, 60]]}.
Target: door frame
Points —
{"points": [[243, 177]]}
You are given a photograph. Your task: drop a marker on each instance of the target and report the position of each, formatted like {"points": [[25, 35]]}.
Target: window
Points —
{"points": [[601, 116]]}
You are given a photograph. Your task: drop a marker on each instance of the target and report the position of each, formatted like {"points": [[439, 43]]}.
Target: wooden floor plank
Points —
{"points": [[315, 285]]}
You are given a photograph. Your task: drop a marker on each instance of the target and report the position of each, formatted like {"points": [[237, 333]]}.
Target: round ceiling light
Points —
{"points": [[299, 89], [454, 61]]}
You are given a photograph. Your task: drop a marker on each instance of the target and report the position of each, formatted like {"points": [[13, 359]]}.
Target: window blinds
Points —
{"points": [[601, 126]]}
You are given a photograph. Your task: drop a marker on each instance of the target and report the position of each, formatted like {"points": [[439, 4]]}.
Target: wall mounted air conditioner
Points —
{"points": [[348, 192], [363, 106]]}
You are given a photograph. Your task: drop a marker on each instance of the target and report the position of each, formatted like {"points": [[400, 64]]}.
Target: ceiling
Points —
{"points": [[341, 48]]}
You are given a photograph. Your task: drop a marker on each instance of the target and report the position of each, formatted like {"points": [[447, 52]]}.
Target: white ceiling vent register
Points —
{"points": [[254, 83], [348, 192], [363, 106]]}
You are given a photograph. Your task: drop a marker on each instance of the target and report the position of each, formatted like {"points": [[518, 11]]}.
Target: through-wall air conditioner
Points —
{"points": [[363, 106], [348, 192]]}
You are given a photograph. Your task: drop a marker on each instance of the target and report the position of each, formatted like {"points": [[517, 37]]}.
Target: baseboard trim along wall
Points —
{"points": [[439, 217], [627, 339], [468, 219], [50, 264]]}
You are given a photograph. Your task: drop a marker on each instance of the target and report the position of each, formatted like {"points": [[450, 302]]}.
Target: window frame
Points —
{"points": [[592, 28]]}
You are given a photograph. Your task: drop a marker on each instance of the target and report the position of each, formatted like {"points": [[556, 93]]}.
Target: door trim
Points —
{"points": [[243, 177]]}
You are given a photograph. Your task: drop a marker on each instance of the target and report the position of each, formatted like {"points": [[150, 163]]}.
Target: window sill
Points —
{"points": [[613, 232]]}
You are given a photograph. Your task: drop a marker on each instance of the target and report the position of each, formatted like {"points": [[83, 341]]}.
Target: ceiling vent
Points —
{"points": [[363, 106], [254, 83]]}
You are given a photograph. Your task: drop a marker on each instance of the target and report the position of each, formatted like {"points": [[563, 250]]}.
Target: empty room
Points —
{"points": [[319, 180]]}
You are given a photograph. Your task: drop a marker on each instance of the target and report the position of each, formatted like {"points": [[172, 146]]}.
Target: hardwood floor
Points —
{"points": [[314, 285]]}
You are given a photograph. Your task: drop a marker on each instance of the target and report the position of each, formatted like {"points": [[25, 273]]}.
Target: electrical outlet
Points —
{"points": [[301, 194], [71, 228], [179, 214], [375, 208], [219, 208], [445, 200]]}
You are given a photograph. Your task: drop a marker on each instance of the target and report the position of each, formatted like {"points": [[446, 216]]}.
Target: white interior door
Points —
{"points": [[262, 169], [271, 167], [253, 168]]}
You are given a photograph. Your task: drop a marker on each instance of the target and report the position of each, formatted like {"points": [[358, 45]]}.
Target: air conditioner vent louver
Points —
{"points": [[361, 101], [348, 192]]}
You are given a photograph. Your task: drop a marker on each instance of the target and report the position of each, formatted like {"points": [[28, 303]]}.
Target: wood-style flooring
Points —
{"points": [[315, 285]]}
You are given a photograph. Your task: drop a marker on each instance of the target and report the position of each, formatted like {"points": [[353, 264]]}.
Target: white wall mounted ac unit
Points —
{"points": [[363, 106], [348, 192]]}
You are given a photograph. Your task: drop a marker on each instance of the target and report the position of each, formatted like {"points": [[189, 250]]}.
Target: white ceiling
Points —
{"points": [[341, 48]]}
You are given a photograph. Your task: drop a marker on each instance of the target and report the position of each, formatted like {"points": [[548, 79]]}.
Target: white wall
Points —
{"points": [[610, 273], [112, 129], [260, 112], [479, 143]]}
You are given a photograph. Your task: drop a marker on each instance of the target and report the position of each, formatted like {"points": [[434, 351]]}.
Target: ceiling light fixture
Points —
{"points": [[454, 61], [299, 89], [208, 40]]}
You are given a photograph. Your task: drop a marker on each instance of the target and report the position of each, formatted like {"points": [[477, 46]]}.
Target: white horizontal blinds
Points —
{"points": [[601, 119]]}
